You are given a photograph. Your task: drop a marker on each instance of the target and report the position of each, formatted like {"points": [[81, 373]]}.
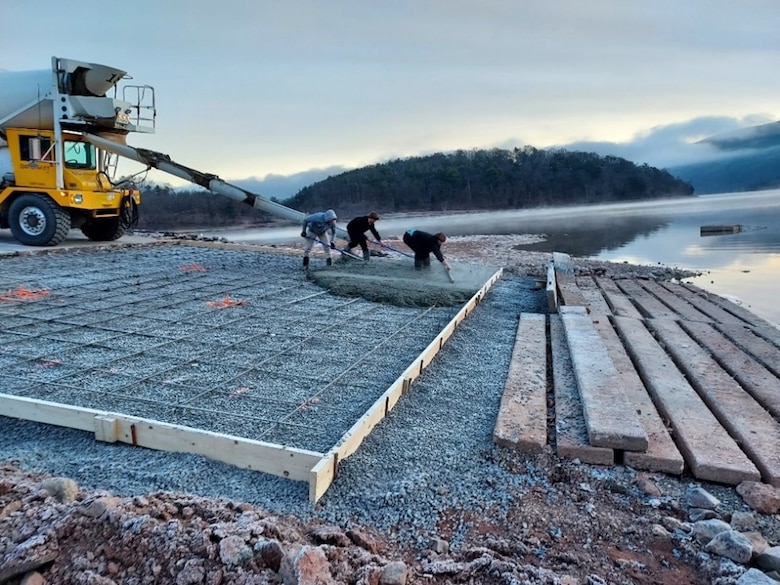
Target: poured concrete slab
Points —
{"points": [[217, 350]]}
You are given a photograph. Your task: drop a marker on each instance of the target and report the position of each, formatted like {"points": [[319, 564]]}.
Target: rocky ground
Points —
{"points": [[579, 525]]}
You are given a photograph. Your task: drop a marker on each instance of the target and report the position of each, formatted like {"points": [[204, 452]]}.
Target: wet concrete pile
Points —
{"points": [[396, 282]]}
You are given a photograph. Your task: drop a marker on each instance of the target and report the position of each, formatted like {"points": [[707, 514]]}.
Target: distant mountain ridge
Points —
{"points": [[749, 161], [763, 136]]}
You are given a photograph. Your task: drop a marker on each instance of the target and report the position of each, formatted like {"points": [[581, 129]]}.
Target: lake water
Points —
{"points": [[742, 265]]}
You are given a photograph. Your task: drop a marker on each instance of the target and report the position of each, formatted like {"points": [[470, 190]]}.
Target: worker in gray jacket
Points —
{"points": [[320, 226]]}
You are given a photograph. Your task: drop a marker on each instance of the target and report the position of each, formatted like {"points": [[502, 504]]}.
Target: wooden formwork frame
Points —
{"points": [[317, 469]]}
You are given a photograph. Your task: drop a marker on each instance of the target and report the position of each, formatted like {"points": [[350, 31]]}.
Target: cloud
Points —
{"points": [[675, 144], [285, 186]]}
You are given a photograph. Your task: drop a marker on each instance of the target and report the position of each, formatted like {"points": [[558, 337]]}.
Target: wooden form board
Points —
{"points": [[324, 472], [113, 427]]}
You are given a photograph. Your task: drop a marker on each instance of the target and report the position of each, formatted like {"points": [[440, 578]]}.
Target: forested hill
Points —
{"points": [[489, 179], [466, 180]]}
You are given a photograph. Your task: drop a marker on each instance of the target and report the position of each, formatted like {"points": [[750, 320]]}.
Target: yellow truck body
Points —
{"points": [[52, 179]]}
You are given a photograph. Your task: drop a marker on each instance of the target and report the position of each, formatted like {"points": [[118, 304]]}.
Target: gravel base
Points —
{"points": [[433, 453]]}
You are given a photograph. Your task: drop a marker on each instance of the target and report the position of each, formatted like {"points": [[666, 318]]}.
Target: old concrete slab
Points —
{"points": [[752, 375], [571, 433], [662, 454], [682, 308], [756, 432], [647, 304], [766, 352], [710, 452], [522, 416], [611, 419], [700, 300], [619, 301], [591, 293]]}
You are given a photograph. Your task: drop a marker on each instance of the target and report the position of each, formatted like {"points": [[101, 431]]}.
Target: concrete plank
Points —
{"points": [[662, 454], [683, 308], [762, 384], [762, 350], [708, 449], [568, 291], [571, 433], [619, 302], [746, 420], [699, 300], [734, 308], [595, 300], [563, 263], [569, 294], [551, 289], [768, 332], [611, 419], [522, 416], [648, 304]]}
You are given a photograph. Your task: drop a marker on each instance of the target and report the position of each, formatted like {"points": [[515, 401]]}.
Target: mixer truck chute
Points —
{"points": [[211, 182], [61, 136]]}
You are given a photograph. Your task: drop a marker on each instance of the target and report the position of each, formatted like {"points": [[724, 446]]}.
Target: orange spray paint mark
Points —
{"points": [[228, 301], [24, 294]]}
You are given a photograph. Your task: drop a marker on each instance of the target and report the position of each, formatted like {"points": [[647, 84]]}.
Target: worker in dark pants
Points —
{"points": [[319, 227], [424, 244], [357, 229]]}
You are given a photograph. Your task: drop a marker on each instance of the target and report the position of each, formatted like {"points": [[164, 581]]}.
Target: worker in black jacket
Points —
{"points": [[424, 244], [357, 229]]}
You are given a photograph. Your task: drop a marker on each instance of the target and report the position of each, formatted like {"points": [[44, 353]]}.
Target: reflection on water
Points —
{"points": [[741, 265]]}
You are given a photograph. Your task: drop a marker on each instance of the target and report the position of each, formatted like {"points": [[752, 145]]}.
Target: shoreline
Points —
{"points": [[501, 250]]}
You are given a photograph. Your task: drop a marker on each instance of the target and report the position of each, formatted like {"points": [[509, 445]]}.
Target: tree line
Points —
{"points": [[464, 180], [163, 208]]}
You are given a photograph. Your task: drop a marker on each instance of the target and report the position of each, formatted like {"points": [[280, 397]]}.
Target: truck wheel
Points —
{"points": [[103, 230], [35, 220]]}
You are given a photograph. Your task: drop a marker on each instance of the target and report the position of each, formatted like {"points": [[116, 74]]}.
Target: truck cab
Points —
{"points": [[52, 179]]}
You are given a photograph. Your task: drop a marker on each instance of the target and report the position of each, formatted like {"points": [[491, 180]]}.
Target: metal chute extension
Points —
{"points": [[211, 182]]}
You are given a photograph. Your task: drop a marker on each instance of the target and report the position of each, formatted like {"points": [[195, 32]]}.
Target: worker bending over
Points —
{"points": [[424, 244], [357, 229], [320, 226]]}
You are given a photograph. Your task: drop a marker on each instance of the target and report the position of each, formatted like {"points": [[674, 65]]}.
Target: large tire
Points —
{"points": [[103, 230], [35, 220]]}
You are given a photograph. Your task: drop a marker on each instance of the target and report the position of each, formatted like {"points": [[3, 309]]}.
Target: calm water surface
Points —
{"points": [[742, 266]]}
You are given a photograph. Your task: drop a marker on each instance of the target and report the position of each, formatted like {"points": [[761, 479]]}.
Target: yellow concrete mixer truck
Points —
{"points": [[63, 131]]}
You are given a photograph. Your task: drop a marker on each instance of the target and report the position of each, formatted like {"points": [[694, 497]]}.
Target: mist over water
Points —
{"points": [[743, 266]]}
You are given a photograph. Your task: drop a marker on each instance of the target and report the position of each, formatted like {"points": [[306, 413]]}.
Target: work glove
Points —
{"points": [[303, 234]]}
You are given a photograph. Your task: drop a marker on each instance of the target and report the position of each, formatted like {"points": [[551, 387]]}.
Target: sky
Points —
{"points": [[255, 88]]}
